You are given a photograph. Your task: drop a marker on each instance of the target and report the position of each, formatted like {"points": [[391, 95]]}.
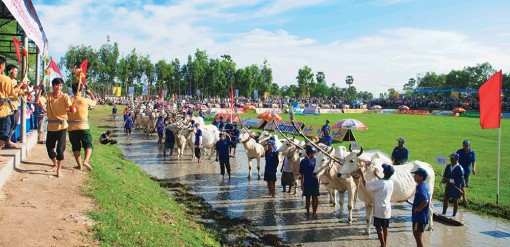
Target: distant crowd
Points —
{"points": [[415, 103]]}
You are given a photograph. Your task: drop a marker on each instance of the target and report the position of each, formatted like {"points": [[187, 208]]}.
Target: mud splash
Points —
{"points": [[229, 231]]}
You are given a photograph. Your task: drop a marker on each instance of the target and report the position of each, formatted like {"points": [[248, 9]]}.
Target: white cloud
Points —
{"points": [[387, 57]]}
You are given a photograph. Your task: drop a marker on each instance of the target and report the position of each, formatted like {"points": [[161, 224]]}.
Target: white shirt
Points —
{"points": [[382, 190], [286, 165]]}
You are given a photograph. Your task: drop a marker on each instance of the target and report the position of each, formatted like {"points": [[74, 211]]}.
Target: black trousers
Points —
{"points": [[56, 138], [223, 164]]}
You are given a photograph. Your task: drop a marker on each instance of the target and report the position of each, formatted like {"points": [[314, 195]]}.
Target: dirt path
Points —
{"points": [[39, 209]]}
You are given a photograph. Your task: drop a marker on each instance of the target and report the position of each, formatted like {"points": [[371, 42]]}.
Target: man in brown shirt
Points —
{"points": [[57, 105], [79, 130], [7, 94]]}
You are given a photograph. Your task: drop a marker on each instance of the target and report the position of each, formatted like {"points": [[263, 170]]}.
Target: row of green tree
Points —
{"points": [[470, 77], [212, 76]]}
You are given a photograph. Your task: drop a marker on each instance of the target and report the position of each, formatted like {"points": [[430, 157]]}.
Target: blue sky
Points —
{"points": [[381, 43]]}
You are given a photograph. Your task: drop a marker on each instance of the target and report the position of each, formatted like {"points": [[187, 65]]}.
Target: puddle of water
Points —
{"points": [[285, 217]]}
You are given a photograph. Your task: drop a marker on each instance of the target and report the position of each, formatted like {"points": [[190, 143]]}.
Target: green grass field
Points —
{"points": [[431, 136], [132, 209]]}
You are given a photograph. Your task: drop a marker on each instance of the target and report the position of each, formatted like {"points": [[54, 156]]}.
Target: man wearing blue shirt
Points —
{"points": [[215, 122], [198, 142], [467, 159], [309, 182], [326, 138], [400, 153], [169, 141], [234, 135], [221, 125], [190, 113], [420, 216], [160, 127], [229, 127], [222, 147], [326, 127]]}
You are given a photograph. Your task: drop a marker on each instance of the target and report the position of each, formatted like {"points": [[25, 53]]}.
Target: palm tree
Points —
{"points": [[349, 80]]}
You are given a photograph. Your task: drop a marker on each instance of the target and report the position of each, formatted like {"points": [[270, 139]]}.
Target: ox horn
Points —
{"points": [[361, 151], [350, 148]]}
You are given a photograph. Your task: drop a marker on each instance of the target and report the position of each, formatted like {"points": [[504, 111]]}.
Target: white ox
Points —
{"points": [[253, 149], [404, 185], [291, 151], [210, 135], [326, 170]]}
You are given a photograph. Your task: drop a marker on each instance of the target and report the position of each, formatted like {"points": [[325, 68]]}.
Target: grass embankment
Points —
{"points": [[134, 210], [431, 136]]}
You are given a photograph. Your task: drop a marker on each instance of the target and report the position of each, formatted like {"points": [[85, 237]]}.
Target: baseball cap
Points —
{"points": [[327, 121], [401, 139], [454, 155], [222, 133], [197, 124], [270, 142], [422, 172], [310, 149], [388, 170], [466, 142]]}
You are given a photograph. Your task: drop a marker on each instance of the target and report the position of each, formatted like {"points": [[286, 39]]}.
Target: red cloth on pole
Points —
{"points": [[53, 66], [231, 97], [17, 46], [490, 102], [83, 67]]}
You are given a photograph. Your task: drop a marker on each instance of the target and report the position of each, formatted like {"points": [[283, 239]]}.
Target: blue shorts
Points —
{"points": [[5, 128]]}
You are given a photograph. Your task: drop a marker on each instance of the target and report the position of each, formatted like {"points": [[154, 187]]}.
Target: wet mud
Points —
{"points": [[242, 206]]}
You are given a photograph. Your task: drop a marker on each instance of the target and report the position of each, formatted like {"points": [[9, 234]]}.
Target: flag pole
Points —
{"points": [[499, 162]]}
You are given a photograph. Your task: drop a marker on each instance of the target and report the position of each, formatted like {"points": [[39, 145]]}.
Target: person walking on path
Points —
{"points": [[467, 159], [400, 153], [114, 110], [198, 142], [222, 154], [271, 167], [57, 105], [287, 178], [453, 177], [79, 129], [382, 189], [7, 94], [234, 138], [169, 141], [420, 215], [309, 182], [128, 124], [160, 127]]}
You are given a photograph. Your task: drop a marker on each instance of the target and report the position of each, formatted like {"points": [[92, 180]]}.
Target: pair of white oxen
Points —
{"points": [[338, 170], [335, 167]]}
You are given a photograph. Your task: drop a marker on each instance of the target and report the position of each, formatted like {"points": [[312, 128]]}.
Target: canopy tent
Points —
{"points": [[19, 19], [27, 21]]}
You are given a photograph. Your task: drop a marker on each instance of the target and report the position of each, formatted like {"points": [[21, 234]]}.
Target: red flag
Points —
{"points": [[17, 46], [490, 102], [83, 68], [53, 66]]}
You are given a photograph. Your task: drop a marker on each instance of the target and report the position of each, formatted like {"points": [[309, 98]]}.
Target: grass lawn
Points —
{"points": [[430, 136], [134, 210]]}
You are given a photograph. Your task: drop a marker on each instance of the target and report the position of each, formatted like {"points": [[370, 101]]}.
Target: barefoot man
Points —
{"points": [[57, 104], [7, 93], [79, 130]]}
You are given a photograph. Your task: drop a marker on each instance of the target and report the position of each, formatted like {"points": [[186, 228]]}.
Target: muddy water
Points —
{"points": [[285, 217]]}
